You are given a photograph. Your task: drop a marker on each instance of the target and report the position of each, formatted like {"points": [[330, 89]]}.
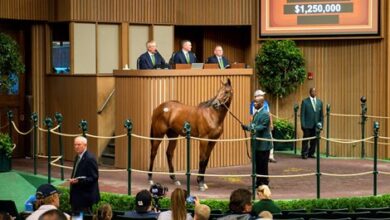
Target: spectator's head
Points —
{"points": [[53, 214], [5, 216], [202, 212], [104, 212], [264, 192], [151, 46], [312, 92], [80, 144], [240, 201], [186, 45], [178, 204], [47, 194], [258, 93], [143, 201], [265, 215], [218, 51]]}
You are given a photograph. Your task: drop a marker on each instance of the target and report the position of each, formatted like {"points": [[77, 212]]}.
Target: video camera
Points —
{"points": [[157, 191]]}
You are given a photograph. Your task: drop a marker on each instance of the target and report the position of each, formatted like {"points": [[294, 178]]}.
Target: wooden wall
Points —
{"points": [[24, 9], [141, 91]]}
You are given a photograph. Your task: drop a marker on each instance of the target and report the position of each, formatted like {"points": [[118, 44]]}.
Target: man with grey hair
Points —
{"points": [[84, 188], [184, 55], [267, 109], [151, 59]]}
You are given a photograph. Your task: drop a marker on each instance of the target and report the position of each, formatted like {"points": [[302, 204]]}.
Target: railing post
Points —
{"points": [[253, 147], [363, 105], [49, 125], [187, 129], [84, 127], [327, 129], [34, 118], [296, 107], [318, 174], [10, 115], [129, 127], [60, 119], [375, 173]]}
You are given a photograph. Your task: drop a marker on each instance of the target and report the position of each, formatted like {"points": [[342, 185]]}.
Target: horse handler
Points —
{"points": [[261, 122]]}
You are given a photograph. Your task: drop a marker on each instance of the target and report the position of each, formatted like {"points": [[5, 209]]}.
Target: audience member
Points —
{"points": [[53, 214], [202, 212], [5, 216], [47, 198], [265, 202], [178, 207], [151, 59], [184, 55], [218, 58], [143, 206], [84, 187], [104, 212], [240, 205], [265, 215]]}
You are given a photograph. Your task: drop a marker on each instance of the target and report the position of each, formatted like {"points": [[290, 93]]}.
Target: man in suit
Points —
{"points": [[84, 188], [151, 59], [184, 55], [311, 115], [261, 123], [218, 58]]}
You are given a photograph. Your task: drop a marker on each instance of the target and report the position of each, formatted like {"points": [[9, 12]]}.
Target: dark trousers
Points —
{"points": [[313, 143], [85, 210], [262, 158]]}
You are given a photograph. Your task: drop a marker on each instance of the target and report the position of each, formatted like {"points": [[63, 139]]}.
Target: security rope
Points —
{"points": [[20, 132]]}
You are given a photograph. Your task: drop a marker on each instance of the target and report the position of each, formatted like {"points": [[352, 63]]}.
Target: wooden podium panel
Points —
{"points": [[138, 92], [211, 66]]}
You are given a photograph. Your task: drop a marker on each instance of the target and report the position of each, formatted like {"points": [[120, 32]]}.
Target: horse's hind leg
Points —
{"points": [[153, 153], [170, 152]]}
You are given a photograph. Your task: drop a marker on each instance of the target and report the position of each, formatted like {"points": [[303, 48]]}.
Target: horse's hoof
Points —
{"points": [[205, 186], [177, 183], [151, 182], [202, 188]]}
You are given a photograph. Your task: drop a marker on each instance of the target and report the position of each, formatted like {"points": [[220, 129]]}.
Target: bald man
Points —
{"points": [[218, 58], [84, 188]]}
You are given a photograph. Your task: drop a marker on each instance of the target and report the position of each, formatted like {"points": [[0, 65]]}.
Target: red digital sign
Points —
{"points": [[318, 17]]}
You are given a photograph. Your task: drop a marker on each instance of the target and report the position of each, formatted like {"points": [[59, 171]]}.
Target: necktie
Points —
{"points": [[75, 167], [221, 63], [153, 59], [188, 58]]}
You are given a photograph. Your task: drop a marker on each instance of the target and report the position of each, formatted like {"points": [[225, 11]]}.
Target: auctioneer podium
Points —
{"points": [[138, 92]]}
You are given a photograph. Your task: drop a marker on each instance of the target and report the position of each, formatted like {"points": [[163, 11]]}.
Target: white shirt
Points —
{"points": [[42, 209], [81, 155], [167, 215], [313, 102]]}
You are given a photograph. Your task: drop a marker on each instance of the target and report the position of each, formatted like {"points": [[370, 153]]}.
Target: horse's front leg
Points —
{"points": [[169, 153], [205, 152]]}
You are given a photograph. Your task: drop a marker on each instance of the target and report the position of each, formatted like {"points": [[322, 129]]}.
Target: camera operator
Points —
{"points": [[143, 206], [158, 192]]}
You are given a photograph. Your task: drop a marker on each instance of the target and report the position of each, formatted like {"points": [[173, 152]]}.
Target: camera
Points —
{"points": [[157, 191], [191, 200]]}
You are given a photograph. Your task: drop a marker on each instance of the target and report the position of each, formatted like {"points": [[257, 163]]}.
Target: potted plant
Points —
{"points": [[283, 129], [5, 152]]}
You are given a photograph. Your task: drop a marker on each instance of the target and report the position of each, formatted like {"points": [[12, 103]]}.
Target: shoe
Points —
{"points": [[272, 160], [312, 156]]}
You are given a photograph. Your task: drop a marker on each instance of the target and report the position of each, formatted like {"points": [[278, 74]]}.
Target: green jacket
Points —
{"points": [[265, 205], [309, 117], [261, 122]]}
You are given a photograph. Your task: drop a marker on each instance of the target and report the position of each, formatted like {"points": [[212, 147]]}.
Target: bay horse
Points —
{"points": [[206, 121]]}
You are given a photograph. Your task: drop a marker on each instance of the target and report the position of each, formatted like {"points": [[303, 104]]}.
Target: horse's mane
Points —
{"points": [[207, 103]]}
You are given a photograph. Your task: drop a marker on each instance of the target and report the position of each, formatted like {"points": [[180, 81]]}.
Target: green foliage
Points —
{"points": [[6, 145], [283, 128], [280, 67], [125, 202], [10, 61]]}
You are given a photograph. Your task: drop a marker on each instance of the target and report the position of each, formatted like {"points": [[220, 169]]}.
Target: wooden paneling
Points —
{"points": [[135, 11], [59, 10], [216, 12], [158, 86], [24, 9], [76, 99]]}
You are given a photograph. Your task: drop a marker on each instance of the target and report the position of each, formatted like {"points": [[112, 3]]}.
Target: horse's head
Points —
{"points": [[224, 95]]}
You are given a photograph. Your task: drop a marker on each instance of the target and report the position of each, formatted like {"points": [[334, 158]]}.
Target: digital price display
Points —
{"points": [[318, 17]]}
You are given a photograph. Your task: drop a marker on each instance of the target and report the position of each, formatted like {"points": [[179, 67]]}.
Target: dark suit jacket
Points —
{"points": [[214, 59], [180, 58], [145, 62], [261, 123], [85, 193], [309, 117]]}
